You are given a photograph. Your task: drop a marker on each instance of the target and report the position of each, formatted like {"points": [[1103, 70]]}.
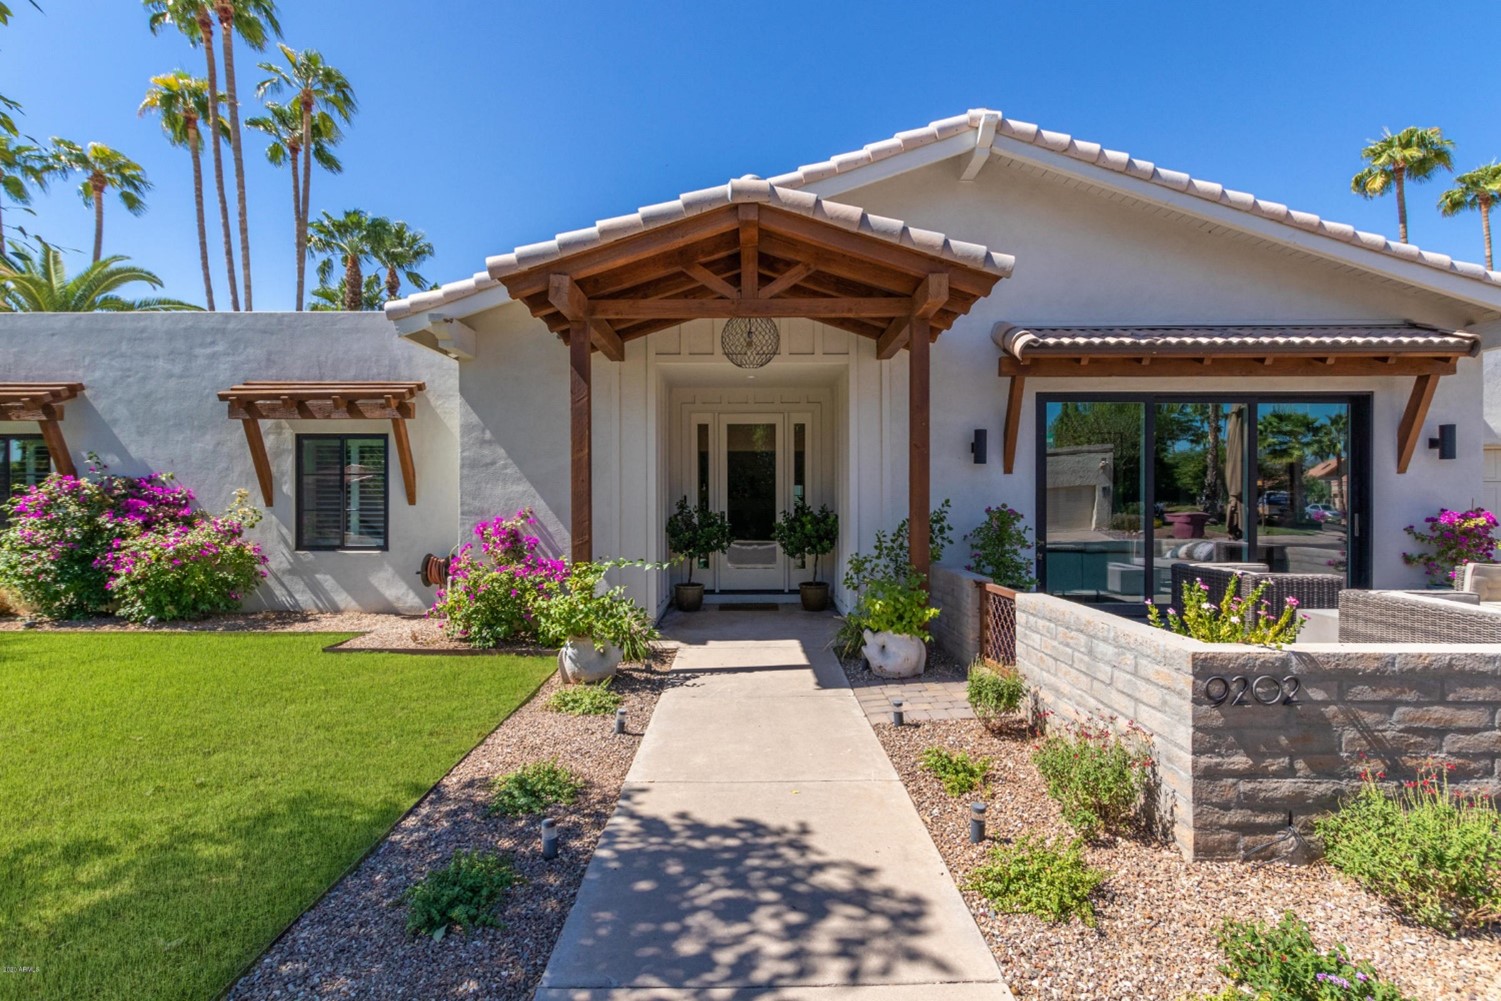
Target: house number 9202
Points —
{"points": [[1242, 691]]}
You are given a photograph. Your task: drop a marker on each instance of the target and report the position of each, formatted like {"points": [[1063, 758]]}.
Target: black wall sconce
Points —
{"points": [[1447, 441], [977, 447]]}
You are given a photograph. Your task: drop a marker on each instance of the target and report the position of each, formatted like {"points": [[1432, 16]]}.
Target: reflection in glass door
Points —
{"points": [[752, 491]]}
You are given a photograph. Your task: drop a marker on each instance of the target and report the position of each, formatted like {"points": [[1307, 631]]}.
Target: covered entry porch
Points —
{"points": [[680, 271]]}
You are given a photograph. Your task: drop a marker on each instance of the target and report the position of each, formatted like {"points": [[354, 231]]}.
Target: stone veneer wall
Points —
{"points": [[957, 596], [1232, 774]]}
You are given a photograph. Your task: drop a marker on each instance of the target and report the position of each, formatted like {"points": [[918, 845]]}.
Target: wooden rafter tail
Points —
{"points": [[57, 447], [404, 455], [259, 458], [1411, 427], [1012, 431]]}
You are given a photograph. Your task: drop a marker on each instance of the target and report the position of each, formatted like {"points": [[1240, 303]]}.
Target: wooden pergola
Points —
{"points": [[754, 251], [42, 402], [1319, 352], [252, 402]]}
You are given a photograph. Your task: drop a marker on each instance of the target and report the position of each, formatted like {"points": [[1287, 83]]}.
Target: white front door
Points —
{"points": [[752, 492]]}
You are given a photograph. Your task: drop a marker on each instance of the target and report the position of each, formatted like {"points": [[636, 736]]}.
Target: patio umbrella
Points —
{"points": [[1235, 472]]}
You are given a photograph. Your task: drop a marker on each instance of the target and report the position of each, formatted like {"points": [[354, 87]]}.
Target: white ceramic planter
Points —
{"points": [[892, 655], [579, 661]]}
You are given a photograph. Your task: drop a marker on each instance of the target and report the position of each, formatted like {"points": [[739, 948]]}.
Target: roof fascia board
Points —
{"points": [[458, 309], [893, 166], [1418, 275]]}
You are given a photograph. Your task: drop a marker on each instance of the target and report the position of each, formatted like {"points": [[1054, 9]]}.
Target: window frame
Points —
{"points": [[300, 544], [7, 488], [1362, 481]]}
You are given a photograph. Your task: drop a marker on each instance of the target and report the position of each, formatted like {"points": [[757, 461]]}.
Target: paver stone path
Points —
{"points": [[764, 846]]}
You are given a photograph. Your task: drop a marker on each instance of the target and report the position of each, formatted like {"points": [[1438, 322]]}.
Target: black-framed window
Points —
{"points": [[1130, 483], [343, 496], [24, 462]]}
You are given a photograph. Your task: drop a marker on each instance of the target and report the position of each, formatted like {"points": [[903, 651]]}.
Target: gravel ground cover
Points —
{"points": [[353, 943], [1157, 913], [377, 630]]}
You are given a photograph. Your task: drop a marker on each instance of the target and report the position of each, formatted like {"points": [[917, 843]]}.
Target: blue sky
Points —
{"points": [[492, 124]]}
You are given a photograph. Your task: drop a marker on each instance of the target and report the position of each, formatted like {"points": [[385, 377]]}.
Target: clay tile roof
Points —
{"points": [[739, 191], [1201, 341]]}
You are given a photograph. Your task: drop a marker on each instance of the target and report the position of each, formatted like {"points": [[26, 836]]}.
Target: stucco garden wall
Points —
{"points": [[150, 405], [1233, 775]]}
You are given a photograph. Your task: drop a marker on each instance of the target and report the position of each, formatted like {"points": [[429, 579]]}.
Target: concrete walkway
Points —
{"points": [[764, 846]]}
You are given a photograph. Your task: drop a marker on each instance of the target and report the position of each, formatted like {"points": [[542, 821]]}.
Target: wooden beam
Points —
{"points": [[718, 309], [918, 443], [930, 295], [581, 439], [564, 294], [604, 337], [895, 338], [278, 409], [259, 457], [1411, 427], [57, 447], [404, 454], [1107, 366], [711, 281], [786, 280], [750, 251], [1012, 429]]}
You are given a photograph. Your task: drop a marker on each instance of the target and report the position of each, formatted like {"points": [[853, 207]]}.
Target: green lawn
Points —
{"points": [[169, 802]]}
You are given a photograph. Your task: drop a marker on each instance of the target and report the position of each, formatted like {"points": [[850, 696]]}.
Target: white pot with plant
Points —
{"points": [[596, 628], [893, 614], [695, 534], [803, 532]]}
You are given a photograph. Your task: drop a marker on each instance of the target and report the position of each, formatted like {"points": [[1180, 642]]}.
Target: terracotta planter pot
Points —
{"points": [[688, 597], [815, 595], [579, 661], [892, 655]]}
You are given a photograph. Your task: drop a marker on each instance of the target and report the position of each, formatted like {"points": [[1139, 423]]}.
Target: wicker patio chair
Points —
{"points": [[1216, 576], [1426, 617], [1313, 590]]}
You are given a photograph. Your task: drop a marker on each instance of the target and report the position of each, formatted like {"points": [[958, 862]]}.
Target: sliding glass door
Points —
{"points": [[1130, 485]]}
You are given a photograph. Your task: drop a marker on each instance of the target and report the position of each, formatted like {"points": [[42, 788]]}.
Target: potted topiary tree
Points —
{"points": [[803, 532], [694, 534]]}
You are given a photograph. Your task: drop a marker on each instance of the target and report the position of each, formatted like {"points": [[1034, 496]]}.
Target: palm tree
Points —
{"points": [[351, 238], [283, 124], [335, 298], [196, 22], [39, 283], [250, 19], [7, 123], [318, 87], [24, 169], [181, 101], [1477, 189], [1413, 154], [103, 168], [401, 250]]}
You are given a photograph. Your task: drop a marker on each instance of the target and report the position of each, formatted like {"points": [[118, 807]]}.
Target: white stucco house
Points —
{"points": [[978, 310]]}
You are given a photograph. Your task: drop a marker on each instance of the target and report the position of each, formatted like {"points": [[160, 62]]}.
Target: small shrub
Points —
{"points": [[958, 772], [579, 605], [1281, 962], [1095, 776], [494, 593], [463, 893], [995, 691], [186, 572], [10, 603], [1234, 620], [1036, 877], [1433, 854], [585, 700], [1000, 549], [1455, 538], [533, 788]]}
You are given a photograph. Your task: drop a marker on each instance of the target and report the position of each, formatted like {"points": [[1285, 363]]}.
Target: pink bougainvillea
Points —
{"points": [[1454, 539], [496, 585]]}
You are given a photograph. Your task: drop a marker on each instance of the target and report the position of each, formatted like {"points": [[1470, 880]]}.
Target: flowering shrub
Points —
{"points": [[1234, 619], [59, 530], [1436, 855], [1281, 961], [1095, 775], [1455, 538], [493, 593], [185, 571], [1000, 548], [578, 606]]}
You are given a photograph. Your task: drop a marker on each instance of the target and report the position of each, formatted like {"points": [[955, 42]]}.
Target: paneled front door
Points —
{"points": [[752, 491]]}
